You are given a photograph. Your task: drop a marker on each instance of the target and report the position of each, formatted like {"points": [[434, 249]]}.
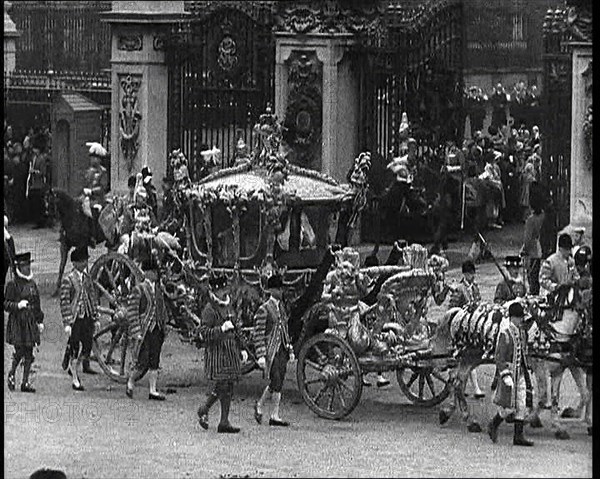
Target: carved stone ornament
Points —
{"points": [[129, 117], [303, 118], [158, 43], [130, 43]]}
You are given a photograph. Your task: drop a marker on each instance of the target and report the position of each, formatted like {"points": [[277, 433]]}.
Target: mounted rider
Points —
{"points": [[559, 268], [95, 187], [512, 286]]}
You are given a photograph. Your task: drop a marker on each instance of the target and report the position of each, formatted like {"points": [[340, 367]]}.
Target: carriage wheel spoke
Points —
{"points": [[110, 277], [430, 384], [322, 357], [412, 379], [344, 385], [320, 393], [108, 296], [113, 343], [331, 398], [341, 396], [313, 365], [421, 385], [439, 376], [314, 381]]}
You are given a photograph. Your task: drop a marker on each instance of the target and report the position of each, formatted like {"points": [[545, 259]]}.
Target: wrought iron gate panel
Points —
{"points": [[221, 78]]}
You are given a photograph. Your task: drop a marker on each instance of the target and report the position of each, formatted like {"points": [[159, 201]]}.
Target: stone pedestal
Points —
{"points": [[10, 36], [581, 173], [317, 95], [139, 87]]}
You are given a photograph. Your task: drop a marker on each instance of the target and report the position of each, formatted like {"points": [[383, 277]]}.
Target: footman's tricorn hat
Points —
{"points": [[275, 281], [512, 262], [79, 254], [516, 310], [217, 281], [23, 258]]}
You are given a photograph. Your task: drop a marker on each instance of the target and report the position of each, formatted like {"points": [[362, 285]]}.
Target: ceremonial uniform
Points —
{"points": [[147, 314], [555, 271], [78, 306], [272, 341], [23, 327], [513, 391], [507, 290], [222, 360]]}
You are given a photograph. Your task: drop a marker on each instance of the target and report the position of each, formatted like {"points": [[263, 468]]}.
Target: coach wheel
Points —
{"points": [[329, 376], [425, 386], [115, 276]]}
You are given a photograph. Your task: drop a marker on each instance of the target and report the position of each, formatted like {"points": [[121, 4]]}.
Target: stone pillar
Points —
{"points": [[581, 172], [317, 95], [139, 87], [10, 36]]}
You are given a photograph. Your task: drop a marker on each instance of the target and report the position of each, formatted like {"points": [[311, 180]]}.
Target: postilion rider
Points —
{"points": [[512, 286]]}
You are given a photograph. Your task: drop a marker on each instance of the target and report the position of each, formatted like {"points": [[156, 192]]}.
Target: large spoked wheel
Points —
{"points": [[425, 386], [115, 276], [329, 376]]}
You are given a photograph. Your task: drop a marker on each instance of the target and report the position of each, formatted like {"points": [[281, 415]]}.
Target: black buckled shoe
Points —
{"points": [[227, 429], [203, 418], [27, 388], [278, 422], [10, 380], [78, 388], [129, 393], [156, 397]]}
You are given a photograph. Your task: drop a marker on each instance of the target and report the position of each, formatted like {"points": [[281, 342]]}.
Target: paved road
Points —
{"points": [[99, 433]]}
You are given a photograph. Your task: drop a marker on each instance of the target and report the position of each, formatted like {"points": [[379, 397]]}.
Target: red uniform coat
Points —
{"points": [[271, 331], [22, 327], [222, 361]]}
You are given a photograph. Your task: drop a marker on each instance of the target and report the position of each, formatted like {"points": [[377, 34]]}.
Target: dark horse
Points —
{"points": [[75, 226]]}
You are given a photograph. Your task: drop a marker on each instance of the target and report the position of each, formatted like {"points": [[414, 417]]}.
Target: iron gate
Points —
{"points": [[221, 78]]}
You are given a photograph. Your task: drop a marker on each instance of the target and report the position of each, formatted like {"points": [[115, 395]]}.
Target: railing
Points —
{"points": [[79, 81]]}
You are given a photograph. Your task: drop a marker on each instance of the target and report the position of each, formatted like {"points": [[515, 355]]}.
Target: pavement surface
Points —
{"points": [[99, 433]]}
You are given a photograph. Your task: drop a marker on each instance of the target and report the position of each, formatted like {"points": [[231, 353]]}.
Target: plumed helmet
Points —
{"points": [[96, 149], [583, 256]]}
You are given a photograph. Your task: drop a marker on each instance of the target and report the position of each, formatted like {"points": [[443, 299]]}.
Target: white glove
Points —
{"points": [[227, 326], [292, 357], [508, 381], [87, 191], [41, 328], [22, 304], [244, 356], [262, 362], [68, 330]]}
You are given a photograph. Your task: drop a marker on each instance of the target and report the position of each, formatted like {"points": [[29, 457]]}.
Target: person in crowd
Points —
{"points": [[528, 176], [147, 316], [25, 320], [79, 310], [513, 286], [499, 101], [96, 186], [578, 238], [150, 189], [559, 268], [273, 348], [535, 136], [36, 181], [10, 254], [492, 177], [223, 353], [531, 250], [513, 393], [467, 294], [129, 197]]}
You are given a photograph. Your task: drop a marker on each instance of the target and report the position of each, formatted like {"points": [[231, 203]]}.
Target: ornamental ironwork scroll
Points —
{"points": [[587, 121], [130, 43], [304, 116], [129, 117]]}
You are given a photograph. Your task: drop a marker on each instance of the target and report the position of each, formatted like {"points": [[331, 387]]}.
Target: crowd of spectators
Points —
{"points": [[27, 172]]}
